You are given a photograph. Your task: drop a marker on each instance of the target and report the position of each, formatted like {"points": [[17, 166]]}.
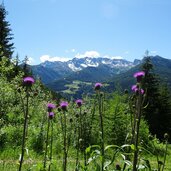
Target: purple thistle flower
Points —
{"points": [[64, 105], [79, 102], [135, 88], [139, 75], [28, 80], [142, 91], [51, 115], [50, 106], [98, 86]]}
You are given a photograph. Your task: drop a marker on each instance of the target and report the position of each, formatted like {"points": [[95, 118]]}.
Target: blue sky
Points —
{"points": [[64, 29]]}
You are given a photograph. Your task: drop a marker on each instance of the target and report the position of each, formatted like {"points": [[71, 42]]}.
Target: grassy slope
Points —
{"points": [[9, 160]]}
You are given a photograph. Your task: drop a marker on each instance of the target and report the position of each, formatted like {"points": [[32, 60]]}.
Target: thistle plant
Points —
{"points": [[28, 82], [85, 136], [137, 115], [50, 107], [51, 116], [100, 110], [63, 107], [79, 103]]}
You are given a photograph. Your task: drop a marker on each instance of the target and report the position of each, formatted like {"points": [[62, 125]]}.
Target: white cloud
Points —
{"points": [[44, 58], [95, 54], [92, 54], [113, 57]]}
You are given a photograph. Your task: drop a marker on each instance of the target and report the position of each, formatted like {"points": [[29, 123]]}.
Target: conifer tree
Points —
{"points": [[165, 111], [157, 100], [6, 47]]}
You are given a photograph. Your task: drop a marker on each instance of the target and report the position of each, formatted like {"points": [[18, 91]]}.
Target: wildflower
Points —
{"points": [[28, 81], [64, 105], [136, 89], [50, 106], [51, 115], [98, 86], [142, 91], [139, 75], [79, 102]]}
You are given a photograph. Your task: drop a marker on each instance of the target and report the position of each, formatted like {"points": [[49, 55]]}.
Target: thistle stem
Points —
{"points": [[51, 144], [24, 130], [102, 131], [136, 133], [78, 138], [65, 145], [47, 137]]}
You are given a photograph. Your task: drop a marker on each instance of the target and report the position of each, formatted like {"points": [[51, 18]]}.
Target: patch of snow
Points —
{"points": [[93, 65], [83, 65], [73, 67]]}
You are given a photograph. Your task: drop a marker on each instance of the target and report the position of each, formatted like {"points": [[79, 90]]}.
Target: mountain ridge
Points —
{"points": [[57, 70], [64, 79]]}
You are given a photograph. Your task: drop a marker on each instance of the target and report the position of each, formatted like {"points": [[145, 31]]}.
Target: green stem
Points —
{"points": [[51, 144], [65, 145], [84, 133], [24, 131], [102, 131], [132, 132], [137, 126], [47, 138], [79, 130]]}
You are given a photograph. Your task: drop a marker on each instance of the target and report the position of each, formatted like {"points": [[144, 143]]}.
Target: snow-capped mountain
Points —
{"points": [[50, 71], [77, 64], [77, 76]]}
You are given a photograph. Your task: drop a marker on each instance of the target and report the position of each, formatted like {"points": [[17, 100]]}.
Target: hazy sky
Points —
{"points": [[62, 29]]}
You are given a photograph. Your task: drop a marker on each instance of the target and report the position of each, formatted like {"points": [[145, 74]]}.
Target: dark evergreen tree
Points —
{"points": [[165, 111], [155, 113], [6, 47]]}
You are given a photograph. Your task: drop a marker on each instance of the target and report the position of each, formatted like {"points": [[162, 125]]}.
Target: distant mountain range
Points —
{"points": [[82, 68], [78, 75]]}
